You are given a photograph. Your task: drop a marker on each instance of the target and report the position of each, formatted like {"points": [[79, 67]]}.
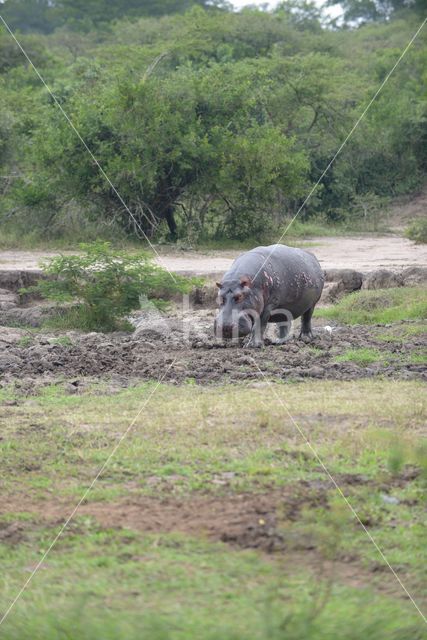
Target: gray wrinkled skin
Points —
{"points": [[252, 293]]}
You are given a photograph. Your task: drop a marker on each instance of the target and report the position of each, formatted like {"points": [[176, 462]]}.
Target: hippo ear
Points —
{"points": [[245, 281], [218, 284]]}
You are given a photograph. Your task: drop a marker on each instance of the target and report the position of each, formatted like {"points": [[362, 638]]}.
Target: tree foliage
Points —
{"points": [[45, 16], [363, 11], [208, 123]]}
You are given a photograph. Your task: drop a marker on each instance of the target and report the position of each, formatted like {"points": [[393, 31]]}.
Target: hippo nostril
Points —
{"points": [[225, 331]]}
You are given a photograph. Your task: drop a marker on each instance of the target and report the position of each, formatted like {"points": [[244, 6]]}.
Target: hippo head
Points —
{"points": [[240, 305]]}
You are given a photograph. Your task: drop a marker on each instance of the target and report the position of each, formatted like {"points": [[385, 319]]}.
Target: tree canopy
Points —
{"points": [[209, 123], [45, 16]]}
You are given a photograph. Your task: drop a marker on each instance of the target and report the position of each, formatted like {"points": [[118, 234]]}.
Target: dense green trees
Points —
{"points": [[360, 11], [46, 15], [208, 123]]}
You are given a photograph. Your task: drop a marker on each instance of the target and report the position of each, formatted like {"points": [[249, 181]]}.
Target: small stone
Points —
{"points": [[313, 372], [71, 389], [389, 499]]}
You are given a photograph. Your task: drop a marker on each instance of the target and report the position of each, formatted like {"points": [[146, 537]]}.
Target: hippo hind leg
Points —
{"points": [[306, 331]]}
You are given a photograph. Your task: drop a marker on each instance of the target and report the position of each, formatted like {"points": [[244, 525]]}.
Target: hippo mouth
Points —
{"points": [[228, 331]]}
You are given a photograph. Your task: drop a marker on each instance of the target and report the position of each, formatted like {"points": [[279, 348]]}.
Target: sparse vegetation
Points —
{"points": [[25, 341], [362, 356], [379, 306], [417, 231], [104, 285]]}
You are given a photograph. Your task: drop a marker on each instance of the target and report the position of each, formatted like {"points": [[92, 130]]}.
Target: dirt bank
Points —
{"points": [[362, 253]]}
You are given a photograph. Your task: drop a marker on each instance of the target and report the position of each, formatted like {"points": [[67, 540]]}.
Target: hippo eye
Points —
{"points": [[238, 297]]}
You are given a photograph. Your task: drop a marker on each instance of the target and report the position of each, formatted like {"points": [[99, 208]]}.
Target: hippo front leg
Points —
{"points": [[284, 330], [256, 338]]}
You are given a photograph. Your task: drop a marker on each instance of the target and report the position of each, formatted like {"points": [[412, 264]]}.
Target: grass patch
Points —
{"points": [[77, 317], [379, 306], [362, 356], [417, 231], [193, 436], [418, 358], [314, 228], [110, 585], [198, 443], [25, 341], [401, 333], [64, 341]]}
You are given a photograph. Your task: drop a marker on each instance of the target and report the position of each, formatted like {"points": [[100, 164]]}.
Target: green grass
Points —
{"points": [[11, 239], [362, 356], [195, 436], [112, 585], [70, 241], [77, 317], [403, 332], [199, 444], [418, 358], [25, 341], [312, 228], [16, 239], [379, 306], [65, 341]]}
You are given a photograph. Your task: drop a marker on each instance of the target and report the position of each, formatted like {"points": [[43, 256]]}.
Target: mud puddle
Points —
{"points": [[179, 351]]}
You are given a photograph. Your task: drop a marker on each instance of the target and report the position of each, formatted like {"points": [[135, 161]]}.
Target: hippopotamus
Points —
{"points": [[268, 284]]}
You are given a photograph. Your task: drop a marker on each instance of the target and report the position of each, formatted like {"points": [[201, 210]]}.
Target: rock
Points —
{"points": [[8, 300], [382, 279], [389, 499], [262, 384], [11, 336], [32, 316], [205, 295], [339, 282], [9, 361], [413, 276], [15, 279], [70, 388], [313, 372], [350, 277], [326, 296]]}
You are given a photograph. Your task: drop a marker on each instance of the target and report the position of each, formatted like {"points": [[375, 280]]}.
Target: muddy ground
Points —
{"points": [[180, 349]]}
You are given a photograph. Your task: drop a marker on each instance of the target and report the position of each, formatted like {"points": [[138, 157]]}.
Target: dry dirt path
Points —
{"points": [[363, 253]]}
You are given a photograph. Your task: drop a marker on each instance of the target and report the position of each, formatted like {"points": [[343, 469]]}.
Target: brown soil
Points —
{"points": [[244, 521], [178, 352], [406, 209]]}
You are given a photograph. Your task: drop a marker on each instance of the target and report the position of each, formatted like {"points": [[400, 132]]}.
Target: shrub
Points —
{"points": [[106, 285], [417, 231]]}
